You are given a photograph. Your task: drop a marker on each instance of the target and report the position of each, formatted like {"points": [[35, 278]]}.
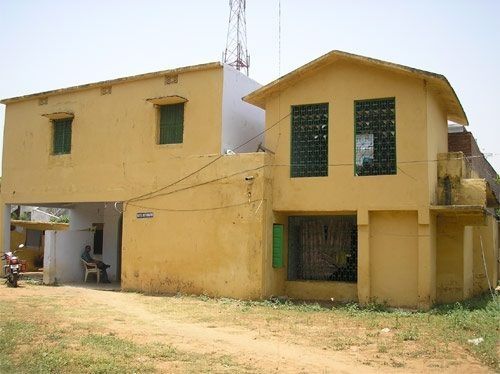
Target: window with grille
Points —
{"points": [[323, 248], [171, 124], [62, 136], [309, 143], [375, 125]]}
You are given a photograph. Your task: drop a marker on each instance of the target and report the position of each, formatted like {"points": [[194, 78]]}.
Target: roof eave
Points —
{"points": [[184, 69], [258, 97]]}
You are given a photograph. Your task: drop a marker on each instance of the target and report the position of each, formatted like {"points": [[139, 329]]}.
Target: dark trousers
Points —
{"points": [[102, 266]]}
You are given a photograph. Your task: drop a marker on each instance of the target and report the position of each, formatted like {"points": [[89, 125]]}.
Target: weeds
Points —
{"points": [[396, 335], [410, 334], [474, 318]]}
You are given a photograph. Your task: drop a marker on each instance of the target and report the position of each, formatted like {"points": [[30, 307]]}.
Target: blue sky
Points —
{"points": [[49, 44]]}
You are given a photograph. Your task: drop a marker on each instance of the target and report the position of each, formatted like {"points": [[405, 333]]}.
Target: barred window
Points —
{"points": [[62, 136], [309, 143], [375, 123], [171, 124], [323, 248]]}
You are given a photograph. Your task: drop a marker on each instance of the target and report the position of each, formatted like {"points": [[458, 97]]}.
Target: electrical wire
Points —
{"points": [[197, 209], [149, 194], [201, 184], [275, 165]]}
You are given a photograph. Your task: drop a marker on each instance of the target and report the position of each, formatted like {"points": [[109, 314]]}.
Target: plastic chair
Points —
{"points": [[91, 268]]}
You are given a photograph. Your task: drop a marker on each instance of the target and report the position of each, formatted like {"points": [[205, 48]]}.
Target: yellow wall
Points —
{"points": [[340, 84], [394, 258], [433, 260], [437, 139], [450, 259], [114, 154], [311, 290], [212, 251], [468, 263]]}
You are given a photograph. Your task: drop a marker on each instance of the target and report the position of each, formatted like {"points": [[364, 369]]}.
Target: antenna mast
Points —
{"points": [[236, 54]]}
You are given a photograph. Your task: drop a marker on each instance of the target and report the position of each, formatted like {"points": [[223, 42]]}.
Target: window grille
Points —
{"points": [[323, 248], [375, 122], [171, 123], [62, 136], [309, 143]]}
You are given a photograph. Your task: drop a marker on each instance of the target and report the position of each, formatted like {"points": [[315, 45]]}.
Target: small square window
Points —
{"points": [[171, 124], [62, 136]]}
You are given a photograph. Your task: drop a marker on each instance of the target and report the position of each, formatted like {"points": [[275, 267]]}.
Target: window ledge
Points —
{"points": [[59, 115], [166, 100], [311, 281], [60, 155], [170, 145]]}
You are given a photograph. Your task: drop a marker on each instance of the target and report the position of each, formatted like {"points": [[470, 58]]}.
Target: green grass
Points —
{"points": [[48, 334], [474, 318], [457, 322], [38, 347], [433, 330]]}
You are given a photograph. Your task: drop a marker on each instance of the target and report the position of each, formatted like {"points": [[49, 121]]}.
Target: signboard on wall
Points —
{"points": [[144, 215]]}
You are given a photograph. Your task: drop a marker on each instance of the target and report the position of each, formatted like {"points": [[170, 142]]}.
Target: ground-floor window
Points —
{"points": [[322, 248]]}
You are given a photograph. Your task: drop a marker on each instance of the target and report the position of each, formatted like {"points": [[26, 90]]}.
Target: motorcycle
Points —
{"points": [[12, 268]]}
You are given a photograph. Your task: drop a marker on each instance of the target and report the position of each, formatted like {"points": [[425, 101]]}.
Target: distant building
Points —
{"points": [[461, 140]]}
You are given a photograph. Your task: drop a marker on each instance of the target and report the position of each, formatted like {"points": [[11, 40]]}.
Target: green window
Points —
{"points": [[62, 136], [375, 126], [171, 123], [309, 141], [277, 246]]}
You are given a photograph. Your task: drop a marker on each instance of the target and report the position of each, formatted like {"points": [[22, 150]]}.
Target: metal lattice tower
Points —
{"points": [[236, 53]]}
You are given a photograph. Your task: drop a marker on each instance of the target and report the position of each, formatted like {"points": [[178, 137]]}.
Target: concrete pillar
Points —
{"points": [[426, 268], [6, 228], [468, 262], [49, 258], [110, 242], [364, 286], [426, 259], [495, 227]]}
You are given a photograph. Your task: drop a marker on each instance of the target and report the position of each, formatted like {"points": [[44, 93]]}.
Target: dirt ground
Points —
{"points": [[238, 336]]}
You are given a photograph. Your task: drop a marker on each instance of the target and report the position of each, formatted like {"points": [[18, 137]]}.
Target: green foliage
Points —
{"points": [[62, 219], [25, 216]]}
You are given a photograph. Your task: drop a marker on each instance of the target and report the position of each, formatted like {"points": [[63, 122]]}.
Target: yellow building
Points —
{"points": [[372, 206], [355, 197], [90, 148]]}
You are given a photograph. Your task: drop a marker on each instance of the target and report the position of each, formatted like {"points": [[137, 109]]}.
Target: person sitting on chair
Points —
{"points": [[100, 265]]}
